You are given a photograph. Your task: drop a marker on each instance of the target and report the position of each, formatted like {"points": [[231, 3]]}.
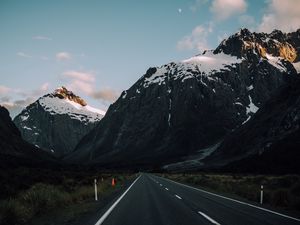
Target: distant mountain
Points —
{"points": [[184, 108], [13, 149], [57, 121]]}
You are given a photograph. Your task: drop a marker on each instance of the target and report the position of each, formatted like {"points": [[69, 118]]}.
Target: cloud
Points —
{"points": [[106, 94], [197, 39], [224, 9], [247, 21], [35, 93], [44, 58], [81, 81], [44, 87], [82, 86], [63, 56], [85, 82], [4, 90], [281, 14], [16, 105], [5, 99], [42, 38], [83, 76], [198, 4], [22, 54]]}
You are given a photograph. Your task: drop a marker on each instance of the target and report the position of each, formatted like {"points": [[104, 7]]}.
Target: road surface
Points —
{"points": [[152, 200]]}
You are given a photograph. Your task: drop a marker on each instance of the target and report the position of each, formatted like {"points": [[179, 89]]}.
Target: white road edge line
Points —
{"points": [[208, 218], [243, 203], [105, 215], [167, 189], [178, 197]]}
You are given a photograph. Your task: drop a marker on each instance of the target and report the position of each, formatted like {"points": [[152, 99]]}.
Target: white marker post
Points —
{"points": [[96, 193], [261, 194]]}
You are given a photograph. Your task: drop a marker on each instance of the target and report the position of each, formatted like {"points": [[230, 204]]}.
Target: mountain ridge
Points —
{"points": [[178, 108]]}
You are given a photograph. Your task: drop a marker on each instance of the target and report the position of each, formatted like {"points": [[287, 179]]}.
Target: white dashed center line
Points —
{"points": [[178, 197], [167, 189], [160, 184], [208, 218]]}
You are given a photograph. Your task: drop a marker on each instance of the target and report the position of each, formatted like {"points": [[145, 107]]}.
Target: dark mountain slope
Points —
{"points": [[14, 151], [269, 142]]}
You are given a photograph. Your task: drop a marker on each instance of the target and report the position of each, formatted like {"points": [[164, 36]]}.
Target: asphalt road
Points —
{"points": [[158, 201]]}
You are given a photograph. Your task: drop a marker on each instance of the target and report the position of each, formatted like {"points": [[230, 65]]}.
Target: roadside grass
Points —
{"points": [[279, 191], [23, 204]]}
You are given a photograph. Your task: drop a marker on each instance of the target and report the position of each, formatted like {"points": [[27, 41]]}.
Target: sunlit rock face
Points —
{"points": [[277, 44], [63, 93]]}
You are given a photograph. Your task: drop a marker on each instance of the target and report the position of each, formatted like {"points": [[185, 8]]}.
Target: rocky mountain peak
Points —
{"points": [[275, 44], [64, 93]]}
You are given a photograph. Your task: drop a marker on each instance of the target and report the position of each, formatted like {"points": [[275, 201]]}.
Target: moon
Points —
{"points": [[179, 10]]}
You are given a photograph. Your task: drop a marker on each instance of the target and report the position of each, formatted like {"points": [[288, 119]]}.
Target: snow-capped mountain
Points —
{"points": [[57, 121], [183, 107], [63, 101]]}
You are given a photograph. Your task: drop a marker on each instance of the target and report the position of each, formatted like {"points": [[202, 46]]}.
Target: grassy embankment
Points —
{"points": [[279, 191], [27, 193]]}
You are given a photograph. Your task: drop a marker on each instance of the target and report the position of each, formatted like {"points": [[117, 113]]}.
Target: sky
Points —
{"points": [[99, 48]]}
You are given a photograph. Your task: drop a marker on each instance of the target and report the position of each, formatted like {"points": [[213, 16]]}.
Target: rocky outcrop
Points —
{"points": [[179, 108], [64, 93], [57, 121], [277, 44]]}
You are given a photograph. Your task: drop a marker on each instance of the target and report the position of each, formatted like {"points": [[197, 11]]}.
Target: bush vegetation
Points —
{"points": [[279, 191], [28, 193]]}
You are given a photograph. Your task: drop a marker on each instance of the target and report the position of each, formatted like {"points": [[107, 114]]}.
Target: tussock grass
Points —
{"points": [[279, 191], [41, 197]]}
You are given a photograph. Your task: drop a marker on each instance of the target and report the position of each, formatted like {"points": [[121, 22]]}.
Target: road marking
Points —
{"points": [[208, 218], [178, 197], [105, 215], [160, 184], [167, 189], [243, 203]]}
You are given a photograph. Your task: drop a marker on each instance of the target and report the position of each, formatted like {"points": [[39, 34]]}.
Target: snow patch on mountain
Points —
{"points": [[193, 161], [251, 108], [276, 62], [207, 63], [210, 63], [24, 117], [86, 113], [297, 66], [28, 128]]}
